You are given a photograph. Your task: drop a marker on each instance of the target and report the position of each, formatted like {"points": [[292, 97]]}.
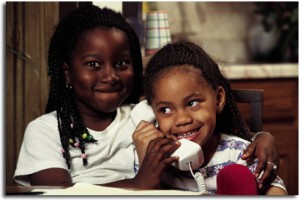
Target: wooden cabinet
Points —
{"points": [[29, 26], [280, 117]]}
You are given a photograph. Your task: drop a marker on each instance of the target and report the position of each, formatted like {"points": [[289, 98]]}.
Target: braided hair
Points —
{"points": [[61, 98], [183, 52]]}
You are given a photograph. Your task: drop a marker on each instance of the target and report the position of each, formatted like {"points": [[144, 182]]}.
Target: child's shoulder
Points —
{"points": [[226, 137], [233, 142], [46, 119], [45, 125]]}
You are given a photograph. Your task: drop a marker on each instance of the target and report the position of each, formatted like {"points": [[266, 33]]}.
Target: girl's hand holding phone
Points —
{"points": [[144, 133], [157, 159]]}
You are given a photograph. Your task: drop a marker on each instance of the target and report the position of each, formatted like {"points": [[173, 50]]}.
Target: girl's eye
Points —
{"points": [[193, 103], [165, 110], [93, 64], [122, 64]]}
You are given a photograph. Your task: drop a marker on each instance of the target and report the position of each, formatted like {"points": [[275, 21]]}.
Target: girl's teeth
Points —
{"points": [[186, 135]]}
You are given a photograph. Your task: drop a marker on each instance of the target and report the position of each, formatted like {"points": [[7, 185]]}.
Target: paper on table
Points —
{"points": [[90, 189]]}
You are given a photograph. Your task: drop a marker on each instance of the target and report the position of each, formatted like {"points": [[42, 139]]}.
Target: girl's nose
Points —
{"points": [[183, 118], [109, 75]]}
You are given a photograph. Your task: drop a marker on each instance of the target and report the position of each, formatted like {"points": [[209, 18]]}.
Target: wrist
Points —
{"points": [[256, 135]]}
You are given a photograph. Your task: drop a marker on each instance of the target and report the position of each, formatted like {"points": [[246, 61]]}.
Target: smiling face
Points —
{"points": [[185, 105], [100, 71]]}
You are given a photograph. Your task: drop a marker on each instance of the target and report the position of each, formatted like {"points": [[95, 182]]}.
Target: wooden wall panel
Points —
{"points": [[9, 95], [280, 117], [29, 26]]}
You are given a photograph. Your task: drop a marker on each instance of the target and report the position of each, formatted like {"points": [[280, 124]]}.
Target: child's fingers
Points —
{"points": [[161, 152], [144, 125], [157, 159], [146, 132], [162, 148], [167, 149], [261, 163], [165, 163], [169, 160], [156, 145], [250, 151], [268, 175]]}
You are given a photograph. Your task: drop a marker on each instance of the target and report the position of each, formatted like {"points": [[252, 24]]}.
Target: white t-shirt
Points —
{"points": [[110, 159]]}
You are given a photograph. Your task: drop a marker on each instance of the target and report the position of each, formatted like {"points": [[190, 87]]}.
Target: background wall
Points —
{"points": [[232, 32]]}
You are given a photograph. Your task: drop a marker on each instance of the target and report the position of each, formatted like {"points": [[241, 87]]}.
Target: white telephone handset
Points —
{"points": [[142, 111], [189, 153], [191, 158]]}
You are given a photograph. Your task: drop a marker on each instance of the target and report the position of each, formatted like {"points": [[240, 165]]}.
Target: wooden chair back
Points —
{"points": [[255, 98]]}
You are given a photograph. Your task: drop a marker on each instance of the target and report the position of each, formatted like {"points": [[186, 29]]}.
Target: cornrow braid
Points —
{"points": [[72, 130], [184, 52]]}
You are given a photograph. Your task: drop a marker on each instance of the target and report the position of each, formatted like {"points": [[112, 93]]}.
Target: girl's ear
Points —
{"points": [[221, 99], [67, 73]]}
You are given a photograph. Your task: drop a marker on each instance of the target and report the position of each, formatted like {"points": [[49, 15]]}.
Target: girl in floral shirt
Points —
{"points": [[191, 99]]}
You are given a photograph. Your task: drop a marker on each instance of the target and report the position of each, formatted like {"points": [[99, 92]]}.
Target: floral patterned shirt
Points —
{"points": [[229, 151]]}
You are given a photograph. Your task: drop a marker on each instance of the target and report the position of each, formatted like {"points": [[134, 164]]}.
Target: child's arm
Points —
{"points": [[275, 191], [264, 147], [148, 177], [157, 159], [51, 177]]}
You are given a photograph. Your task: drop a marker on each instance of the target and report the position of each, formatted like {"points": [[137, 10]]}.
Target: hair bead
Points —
{"points": [[90, 138], [84, 135], [76, 144]]}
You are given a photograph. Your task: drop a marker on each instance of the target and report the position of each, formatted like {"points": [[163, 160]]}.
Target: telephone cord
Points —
{"points": [[199, 180]]}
